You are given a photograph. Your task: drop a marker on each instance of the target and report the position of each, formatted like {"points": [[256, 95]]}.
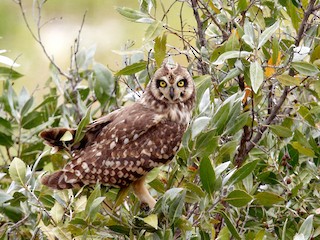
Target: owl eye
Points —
{"points": [[181, 83], [161, 83]]}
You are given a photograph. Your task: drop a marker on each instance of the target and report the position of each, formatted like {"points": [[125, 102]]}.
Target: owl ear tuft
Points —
{"points": [[177, 67], [165, 65]]}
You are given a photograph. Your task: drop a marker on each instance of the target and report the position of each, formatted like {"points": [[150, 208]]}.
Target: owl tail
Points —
{"points": [[58, 138], [58, 180]]}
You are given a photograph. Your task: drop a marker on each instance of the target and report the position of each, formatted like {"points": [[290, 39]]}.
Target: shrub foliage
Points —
{"points": [[248, 164]]}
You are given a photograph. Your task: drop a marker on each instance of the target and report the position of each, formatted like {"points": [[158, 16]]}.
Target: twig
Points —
{"points": [[201, 36], [37, 37]]}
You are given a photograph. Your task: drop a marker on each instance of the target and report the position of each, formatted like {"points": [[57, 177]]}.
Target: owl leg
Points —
{"points": [[141, 191]]}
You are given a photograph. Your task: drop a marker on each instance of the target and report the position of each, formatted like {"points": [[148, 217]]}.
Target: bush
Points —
{"points": [[248, 165]]}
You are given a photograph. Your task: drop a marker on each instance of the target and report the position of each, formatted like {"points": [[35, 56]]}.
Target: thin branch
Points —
{"points": [[201, 36], [37, 37]]}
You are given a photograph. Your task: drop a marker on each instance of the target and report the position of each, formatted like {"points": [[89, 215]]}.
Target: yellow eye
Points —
{"points": [[181, 83], [162, 84]]}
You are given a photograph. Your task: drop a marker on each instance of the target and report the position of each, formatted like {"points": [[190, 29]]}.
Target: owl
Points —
{"points": [[119, 149]]}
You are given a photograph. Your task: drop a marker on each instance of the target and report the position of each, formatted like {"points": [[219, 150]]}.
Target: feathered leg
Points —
{"points": [[141, 191]]}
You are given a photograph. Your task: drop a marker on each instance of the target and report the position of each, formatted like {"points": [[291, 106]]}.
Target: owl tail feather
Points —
{"points": [[56, 180], [58, 138]]}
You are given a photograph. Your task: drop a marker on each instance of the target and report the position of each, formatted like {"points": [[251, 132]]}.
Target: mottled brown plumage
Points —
{"points": [[120, 148]]}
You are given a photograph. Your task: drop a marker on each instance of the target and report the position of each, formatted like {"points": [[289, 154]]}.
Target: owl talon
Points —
{"points": [[145, 207]]}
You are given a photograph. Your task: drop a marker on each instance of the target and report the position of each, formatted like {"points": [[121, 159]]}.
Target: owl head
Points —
{"points": [[172, 85]]}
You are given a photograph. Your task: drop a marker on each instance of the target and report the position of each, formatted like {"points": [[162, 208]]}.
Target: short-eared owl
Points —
{"points": [[120, 148]]}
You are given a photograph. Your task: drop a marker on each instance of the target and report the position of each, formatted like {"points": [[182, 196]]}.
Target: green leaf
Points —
{"points": [[243, 172], [32, 120], [134, 15], [235, 126], [160, 49], [5, 133], [9, 73], [249, 34], [153, 31], [4, 197], [206, 143], [242, 5], [267, 34], [152, 220], [281, 131], [267, 198], [305, 68], [306, 227], [82, 126], [80, 204], [57, 212], [194, 189], [207, 175], [238, 198], [94, 195], [18, 197], [61, 234], [199, 125], [230, 225], [122, 194], [95, 207], [132, 69], [306, 114], [303, 150], [17, 171], [287, 80], [229, 55], [202, 84], [173, 202], [256, 76], [104, 83]]}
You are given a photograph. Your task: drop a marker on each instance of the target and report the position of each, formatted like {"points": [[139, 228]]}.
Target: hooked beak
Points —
{"points": [[171, 92]]}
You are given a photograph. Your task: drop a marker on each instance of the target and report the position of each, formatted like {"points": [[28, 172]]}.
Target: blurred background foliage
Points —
{"points": [[103, 29]]}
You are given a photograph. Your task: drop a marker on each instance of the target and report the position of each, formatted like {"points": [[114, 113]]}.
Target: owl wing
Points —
{"points": [[135, 142], [102, 152], [53, 136]]}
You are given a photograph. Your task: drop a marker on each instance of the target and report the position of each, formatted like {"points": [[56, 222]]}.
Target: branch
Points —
{"points": [[37, 37], [201, 36]]}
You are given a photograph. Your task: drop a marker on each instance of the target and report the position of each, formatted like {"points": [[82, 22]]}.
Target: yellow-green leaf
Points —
{"points": [[207, 175], [17, 171], [267, 198], [57, 212], [287, 80], [256, 75], [302, 149], [132, 69], [152, 220], [305, 68], [238, 198], [80, 204], [281, 131], [67, 136]]}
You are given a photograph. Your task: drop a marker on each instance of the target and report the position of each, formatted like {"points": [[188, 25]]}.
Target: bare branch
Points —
{"points": [[37, 37]]}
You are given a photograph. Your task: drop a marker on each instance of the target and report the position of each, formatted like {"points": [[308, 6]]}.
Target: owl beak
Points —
{"points": [[171, 92]]}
